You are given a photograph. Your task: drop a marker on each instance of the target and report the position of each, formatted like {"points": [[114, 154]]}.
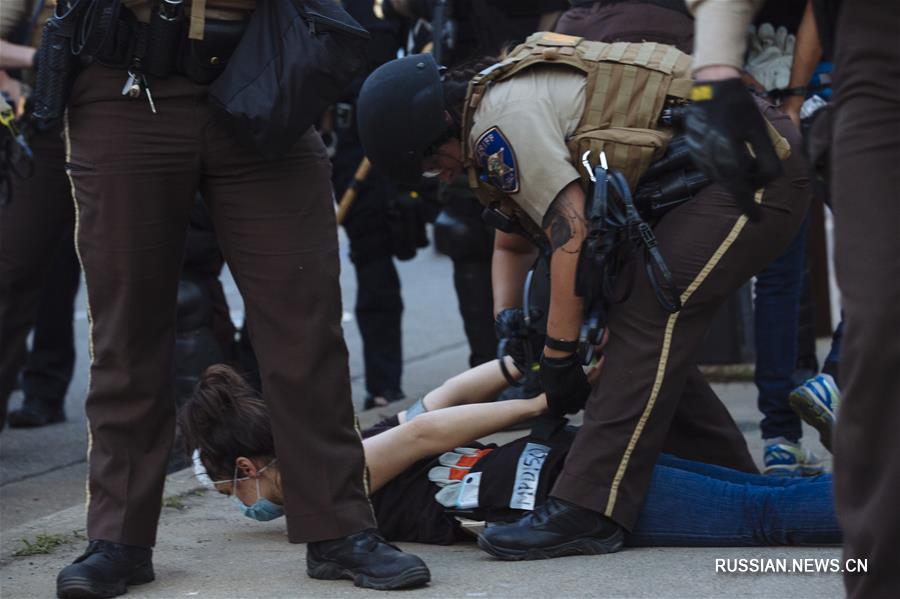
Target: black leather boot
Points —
{"points": [[105, 570], [366, 559], [37, 412], [555, 529]]}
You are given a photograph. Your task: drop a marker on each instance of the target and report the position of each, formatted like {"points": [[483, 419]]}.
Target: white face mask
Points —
{"points": [[262, 509], [200, 471]]}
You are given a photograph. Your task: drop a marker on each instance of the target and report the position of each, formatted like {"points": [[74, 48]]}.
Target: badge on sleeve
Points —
{"points": [[497, 161]]}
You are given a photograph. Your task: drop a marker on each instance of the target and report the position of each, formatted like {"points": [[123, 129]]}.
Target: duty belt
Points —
{"points": [[105, 32], [615, 231]]}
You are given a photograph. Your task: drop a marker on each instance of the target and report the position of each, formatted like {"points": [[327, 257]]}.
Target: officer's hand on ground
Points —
{"points": [[565, 384], [719, 125]]}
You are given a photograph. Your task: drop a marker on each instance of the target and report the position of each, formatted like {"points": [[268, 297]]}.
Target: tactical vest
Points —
{"points": [[628, 85]]}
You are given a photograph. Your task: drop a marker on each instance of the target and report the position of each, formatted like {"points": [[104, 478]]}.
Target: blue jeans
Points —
{"points": [[833, 361], [691, 504], [777, 317]]}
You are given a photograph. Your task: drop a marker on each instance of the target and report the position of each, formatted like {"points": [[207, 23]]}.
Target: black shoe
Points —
{"points": [[380, 400], [366, 559], [105, 570], [37, 412], [555, 529]]}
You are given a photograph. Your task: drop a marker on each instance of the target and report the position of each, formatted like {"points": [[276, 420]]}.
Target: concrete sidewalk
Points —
{"points": [[208, 549]]}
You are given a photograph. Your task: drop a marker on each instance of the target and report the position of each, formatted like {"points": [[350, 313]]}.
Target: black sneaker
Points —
{"points": [[366, 559], [105, 570], [37, 412], [555, 529]]}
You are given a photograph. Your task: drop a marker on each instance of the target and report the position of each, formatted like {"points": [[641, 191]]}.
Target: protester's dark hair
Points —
{"points": [[225, 418], [454, 87]]}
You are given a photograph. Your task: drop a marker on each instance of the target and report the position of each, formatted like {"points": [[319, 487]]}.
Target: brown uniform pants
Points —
{"points": [[866, 192], [650, 388], [134, 175], [34, 228]]}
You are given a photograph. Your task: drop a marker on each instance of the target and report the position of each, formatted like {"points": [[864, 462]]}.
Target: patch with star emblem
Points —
{"points": [[497, 161]]}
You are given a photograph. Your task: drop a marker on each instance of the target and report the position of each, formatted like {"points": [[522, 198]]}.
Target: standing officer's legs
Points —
{"points": [[32, 226], [275, 221], [711, 249], [379, 305], [866, 191], [134, 176], [51, 361]]}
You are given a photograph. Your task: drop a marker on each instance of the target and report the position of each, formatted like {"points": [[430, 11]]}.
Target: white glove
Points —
{"points": [[454, 465], [459, 487], [771, 55]]}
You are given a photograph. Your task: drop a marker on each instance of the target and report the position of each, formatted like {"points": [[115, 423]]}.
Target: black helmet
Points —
{"points": [[400, 112]]}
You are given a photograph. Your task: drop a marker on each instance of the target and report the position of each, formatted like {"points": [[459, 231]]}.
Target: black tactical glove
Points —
{"points": [[517, 340], [719, 124], [565, 384]]}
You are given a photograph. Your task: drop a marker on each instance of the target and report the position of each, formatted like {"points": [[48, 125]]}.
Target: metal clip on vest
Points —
{"points": [[615, 229]]}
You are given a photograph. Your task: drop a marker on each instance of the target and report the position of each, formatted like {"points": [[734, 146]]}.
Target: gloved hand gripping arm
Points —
{"points": [[562, 376]]}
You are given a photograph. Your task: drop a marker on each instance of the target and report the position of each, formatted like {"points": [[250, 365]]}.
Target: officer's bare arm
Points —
{"points": [[513, 257], [565, 227]]}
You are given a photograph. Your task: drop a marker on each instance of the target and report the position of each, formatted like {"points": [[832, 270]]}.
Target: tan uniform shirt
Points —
{"points": [[519, 133], [720, 36]]}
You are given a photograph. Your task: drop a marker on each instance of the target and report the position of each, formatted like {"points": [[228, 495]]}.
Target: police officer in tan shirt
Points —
{"points": [[515, 136]]}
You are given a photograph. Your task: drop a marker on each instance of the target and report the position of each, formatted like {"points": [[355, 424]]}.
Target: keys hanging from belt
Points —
{"points": [[137, 83]]}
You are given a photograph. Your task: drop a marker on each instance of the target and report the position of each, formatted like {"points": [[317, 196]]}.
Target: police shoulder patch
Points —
{"points": [[497, 161]]}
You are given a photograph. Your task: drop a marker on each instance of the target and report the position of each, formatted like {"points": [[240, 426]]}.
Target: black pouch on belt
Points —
{"points": [[202, 61], [295, 59], [165, 32]]}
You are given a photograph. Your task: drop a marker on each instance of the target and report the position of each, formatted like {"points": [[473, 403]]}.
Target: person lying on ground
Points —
{"points": [[428, 470]]}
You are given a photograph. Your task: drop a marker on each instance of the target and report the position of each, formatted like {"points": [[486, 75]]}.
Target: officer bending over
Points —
{"points": [[520, 130]]}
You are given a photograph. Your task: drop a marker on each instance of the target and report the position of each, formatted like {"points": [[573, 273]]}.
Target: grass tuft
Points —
{"points": [[174, 502], [43, 544]]}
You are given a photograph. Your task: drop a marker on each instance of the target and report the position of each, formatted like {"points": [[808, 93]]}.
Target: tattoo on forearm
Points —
{"points": [[560, 231], [563, 221]]}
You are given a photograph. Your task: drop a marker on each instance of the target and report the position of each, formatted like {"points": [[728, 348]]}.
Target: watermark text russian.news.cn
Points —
{"points": [[805, 565]]}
